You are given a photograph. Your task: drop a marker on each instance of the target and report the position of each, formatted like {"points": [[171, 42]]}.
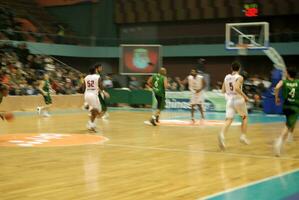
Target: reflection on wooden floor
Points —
{"points": [[138, 162]]}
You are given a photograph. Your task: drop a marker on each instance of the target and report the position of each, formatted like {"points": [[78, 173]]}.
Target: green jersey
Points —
{"points": [[46, 87], [158, 85], [291, 92]]}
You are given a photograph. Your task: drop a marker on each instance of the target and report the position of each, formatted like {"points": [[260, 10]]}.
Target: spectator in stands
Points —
{"points": [[134, 84], [180, 84], [21, 77], [107, 82], [173, 86], [23, 52], [60, 34]]}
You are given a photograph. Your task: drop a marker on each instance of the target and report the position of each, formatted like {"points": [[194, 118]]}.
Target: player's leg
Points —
{"points": [[160, 106], [44, 110], [200, 102], [91, 125], [241, 108], [280, 141], [201, 110], [153, 118], [291, 119], [230, 113], [290, 135], [221, 136], [103, 105], [48, 106], [193, 104], [243, 137], [192, 113], [291, 132], [85, 106], [94, 107]]}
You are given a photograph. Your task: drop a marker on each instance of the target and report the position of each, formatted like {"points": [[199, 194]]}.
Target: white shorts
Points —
{"points": [[196, 99], [236, 105], [93, 101]]}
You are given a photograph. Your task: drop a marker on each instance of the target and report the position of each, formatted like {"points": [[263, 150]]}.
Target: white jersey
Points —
{"points": [[230, 81], [92, 84], [195, 83], [235, 102]]}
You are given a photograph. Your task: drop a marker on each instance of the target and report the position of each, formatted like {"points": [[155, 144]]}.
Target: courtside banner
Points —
{"points": [[214, 101]]}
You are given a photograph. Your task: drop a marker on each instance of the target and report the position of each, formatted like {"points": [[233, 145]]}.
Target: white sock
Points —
{"points": [[279, 141], [221, 135]]}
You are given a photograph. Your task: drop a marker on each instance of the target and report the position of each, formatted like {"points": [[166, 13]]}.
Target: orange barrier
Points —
{"points": [[29, 103], [61, 2]]}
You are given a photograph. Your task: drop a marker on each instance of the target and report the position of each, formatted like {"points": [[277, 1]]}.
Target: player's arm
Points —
{"points": [[223, 88], [203, 82], [40, 87], [276, 92], [165, 83], [84, 86], [150, 81], [2, 115], [189, 85], [101, 86], [238, 86]]}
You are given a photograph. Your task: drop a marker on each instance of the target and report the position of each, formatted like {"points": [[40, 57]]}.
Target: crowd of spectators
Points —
{"points": [[22, 71]]}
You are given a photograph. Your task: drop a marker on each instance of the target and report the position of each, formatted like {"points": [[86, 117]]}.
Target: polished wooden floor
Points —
{"points": [[138, 162]]}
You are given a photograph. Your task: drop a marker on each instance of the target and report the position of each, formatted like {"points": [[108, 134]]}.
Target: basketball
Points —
{"points": [[9, 116]]}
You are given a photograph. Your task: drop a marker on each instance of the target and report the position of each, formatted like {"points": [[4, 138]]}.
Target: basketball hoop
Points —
{"points": [[242, 49]]}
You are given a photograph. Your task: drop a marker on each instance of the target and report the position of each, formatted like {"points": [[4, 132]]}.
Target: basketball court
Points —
{"points": [[128, 158], [47, 158]]}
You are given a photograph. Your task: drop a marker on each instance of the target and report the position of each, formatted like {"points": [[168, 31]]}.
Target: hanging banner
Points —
{"points": [[140, 59]]}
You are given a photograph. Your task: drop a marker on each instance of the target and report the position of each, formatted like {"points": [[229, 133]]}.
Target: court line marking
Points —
{"points": [[202, 151], [248, 184]]}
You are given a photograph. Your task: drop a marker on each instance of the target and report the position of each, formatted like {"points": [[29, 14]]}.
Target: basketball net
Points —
{"points": [[242, 49]]}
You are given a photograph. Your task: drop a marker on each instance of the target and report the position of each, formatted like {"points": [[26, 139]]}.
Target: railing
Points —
{"points": [[108, 41]]}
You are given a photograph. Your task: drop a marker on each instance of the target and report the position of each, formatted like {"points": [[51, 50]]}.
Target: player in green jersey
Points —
{"points": [[44, 89], [102, 94], [3, 93], [158, 83], [290, 91]]}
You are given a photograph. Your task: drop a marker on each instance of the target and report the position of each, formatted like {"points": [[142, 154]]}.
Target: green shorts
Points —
{"points": [[103, 103], [47, 99], [160, 102], [291, 113]]}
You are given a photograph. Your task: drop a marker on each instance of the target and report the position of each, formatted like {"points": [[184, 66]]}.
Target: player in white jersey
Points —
{"points": [[196, 85], [92, 85], [235, 103]]}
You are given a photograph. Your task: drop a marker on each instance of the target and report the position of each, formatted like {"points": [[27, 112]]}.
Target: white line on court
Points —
{"points": [[201, 151], [214, 152], [248, 184]]}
